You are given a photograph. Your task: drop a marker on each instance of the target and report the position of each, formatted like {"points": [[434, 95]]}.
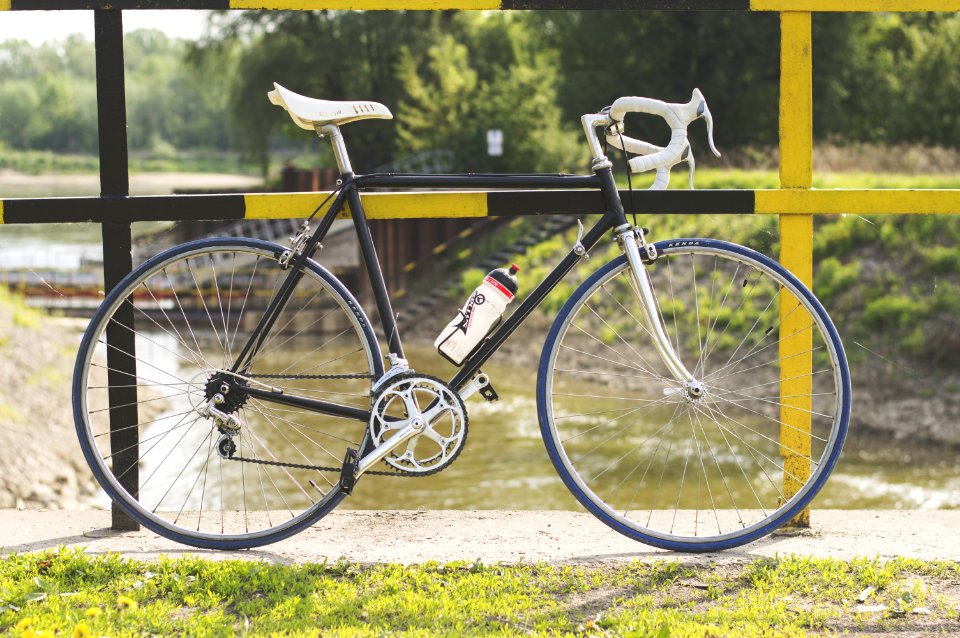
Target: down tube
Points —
{"points": [[536, 297]]}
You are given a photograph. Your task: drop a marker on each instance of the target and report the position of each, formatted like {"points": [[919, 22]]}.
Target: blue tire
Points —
{"points": [[193, 307], [704, 466]]}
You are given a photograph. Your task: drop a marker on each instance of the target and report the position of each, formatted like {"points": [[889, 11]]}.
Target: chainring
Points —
{"points": [[406, 397]]}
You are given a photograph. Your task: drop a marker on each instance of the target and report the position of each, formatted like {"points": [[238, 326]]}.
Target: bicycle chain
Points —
{"points": [[369, 377], [320, 468]]}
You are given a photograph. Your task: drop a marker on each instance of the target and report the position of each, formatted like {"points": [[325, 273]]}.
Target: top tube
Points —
{"points": [[478, 180]]}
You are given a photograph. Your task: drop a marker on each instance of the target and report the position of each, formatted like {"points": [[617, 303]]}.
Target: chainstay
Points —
{"points": [[320, 468], [310, 376]]}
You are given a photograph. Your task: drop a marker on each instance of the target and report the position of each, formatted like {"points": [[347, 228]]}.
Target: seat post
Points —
{"points": [[339, 148]]}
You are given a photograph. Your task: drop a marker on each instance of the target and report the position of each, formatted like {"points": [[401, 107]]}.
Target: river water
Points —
{"points": [[505, 464]]}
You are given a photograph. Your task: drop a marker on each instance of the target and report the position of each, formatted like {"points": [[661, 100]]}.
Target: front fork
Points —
{"points": [[632, 244]]}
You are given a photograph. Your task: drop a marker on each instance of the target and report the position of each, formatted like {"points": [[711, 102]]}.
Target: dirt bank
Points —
{"points": [[40, 461], [918, 406]]}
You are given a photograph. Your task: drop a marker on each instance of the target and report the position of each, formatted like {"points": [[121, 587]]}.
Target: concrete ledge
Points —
{"points": [[496, 536]]}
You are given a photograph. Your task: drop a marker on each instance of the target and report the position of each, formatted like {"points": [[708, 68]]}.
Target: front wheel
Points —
{"points": [[179, 321], [704, 470]]}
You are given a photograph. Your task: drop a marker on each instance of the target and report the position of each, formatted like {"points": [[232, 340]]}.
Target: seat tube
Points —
{"points": [[369, 252], [648, 302], [367, 249]]}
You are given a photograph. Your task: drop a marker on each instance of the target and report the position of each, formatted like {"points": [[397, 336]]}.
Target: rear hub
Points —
{"points": [[229, 389]]}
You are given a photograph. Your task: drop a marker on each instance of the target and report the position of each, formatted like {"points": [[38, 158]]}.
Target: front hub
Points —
{"points": [[694, 390]]}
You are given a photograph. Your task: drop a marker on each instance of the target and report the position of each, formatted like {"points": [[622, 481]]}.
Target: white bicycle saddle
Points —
{"points": [[309, 113]]}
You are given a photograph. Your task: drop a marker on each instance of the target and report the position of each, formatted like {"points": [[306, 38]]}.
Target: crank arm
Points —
{"points": [[476, 384], [402, 435]]}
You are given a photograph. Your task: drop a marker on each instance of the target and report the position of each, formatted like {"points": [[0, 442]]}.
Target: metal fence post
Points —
{"points": [[796, 251], [117, 258]]}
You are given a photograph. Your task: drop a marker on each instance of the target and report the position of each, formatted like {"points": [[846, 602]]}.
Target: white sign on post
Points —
{"points": [[494, 142]]}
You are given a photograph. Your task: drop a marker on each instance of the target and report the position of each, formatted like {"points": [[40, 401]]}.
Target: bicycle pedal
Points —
{"points": [[489, 394], [348, 473]]}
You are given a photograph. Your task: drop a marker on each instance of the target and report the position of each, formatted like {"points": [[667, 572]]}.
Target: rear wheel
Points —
{"points": [[180, 321], [706, 467]]}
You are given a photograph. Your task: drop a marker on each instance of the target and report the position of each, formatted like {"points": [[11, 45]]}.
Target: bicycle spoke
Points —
{"points": [[733, 454], [263, 410], [274, 412], [197, 359], [142, 423], [203, 302], [140, 360], [651, 456], [186, 321]]}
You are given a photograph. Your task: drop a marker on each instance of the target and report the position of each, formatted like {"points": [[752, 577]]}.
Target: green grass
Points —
{"points": [[13, 306], [713, 178], [67, 593]]}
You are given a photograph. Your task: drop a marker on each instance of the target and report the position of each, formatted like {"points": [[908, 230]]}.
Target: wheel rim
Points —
{"points": [[656, 463], [185, 339]]}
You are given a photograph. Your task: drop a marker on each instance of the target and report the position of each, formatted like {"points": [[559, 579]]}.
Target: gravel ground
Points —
{"points": [[498, 536]]}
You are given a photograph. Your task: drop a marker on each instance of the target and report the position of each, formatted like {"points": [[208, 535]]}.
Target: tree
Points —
{"points": [[437, 112]]}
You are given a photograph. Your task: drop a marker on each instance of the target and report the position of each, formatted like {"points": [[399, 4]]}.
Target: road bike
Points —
{"points": [[692, 393]]}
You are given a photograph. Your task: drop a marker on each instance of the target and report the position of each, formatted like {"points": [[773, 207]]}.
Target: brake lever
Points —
{"points": [[703, 112]]}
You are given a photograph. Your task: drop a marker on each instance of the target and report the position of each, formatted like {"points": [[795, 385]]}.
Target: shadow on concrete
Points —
{"points": [[748, 552], [85, 539], [46, 543]]}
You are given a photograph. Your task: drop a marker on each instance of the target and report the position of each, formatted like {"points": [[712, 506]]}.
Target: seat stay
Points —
{"points": [[279, 301]]}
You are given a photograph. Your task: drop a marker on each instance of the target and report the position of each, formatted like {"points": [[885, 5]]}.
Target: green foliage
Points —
{"points": [[451, 76], [894, 281], [196, 161], [833, 277], [335, 55], [441, 93], [887, 78], [608, 54], [940, 260], [22, 314]]}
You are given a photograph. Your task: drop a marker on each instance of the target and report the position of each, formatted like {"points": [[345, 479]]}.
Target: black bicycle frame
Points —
{"points": [[349, 193]]}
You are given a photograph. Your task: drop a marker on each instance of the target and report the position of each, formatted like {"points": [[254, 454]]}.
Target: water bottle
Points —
{"points": [[478, 316]]}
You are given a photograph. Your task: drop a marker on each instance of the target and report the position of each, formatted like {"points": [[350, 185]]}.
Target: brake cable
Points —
{"points": [[626, 163]]}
